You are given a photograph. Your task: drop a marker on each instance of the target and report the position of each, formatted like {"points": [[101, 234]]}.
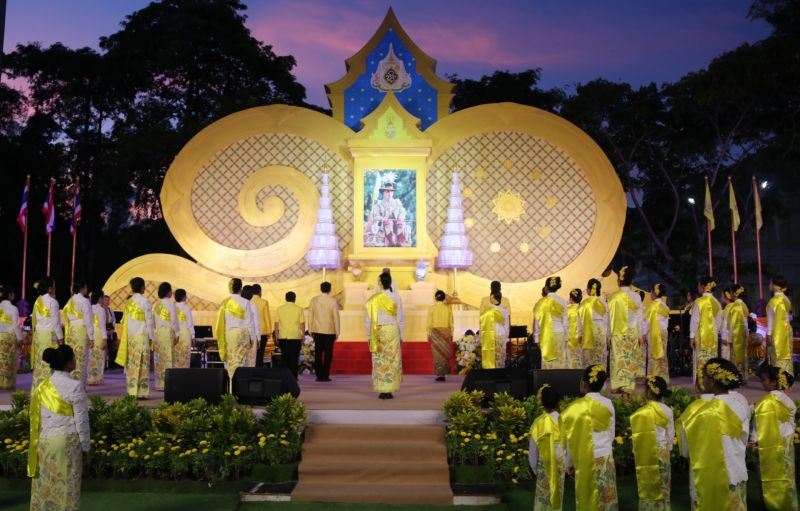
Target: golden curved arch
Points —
{"points": [[177, 188]]}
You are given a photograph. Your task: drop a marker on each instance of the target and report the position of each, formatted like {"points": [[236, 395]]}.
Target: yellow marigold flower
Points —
{"points": [[271, 435], [484, 447], [104, 437], [25, 442], [284, 442], [466, 440], [227, 453], [463, 433], [516, 469], [19, 447], [509, 456], [132, 454], [498, 459], [514, 481], [237, 452], [500, 452], [203, 442], [283, 435], [100, 442], [618, 439], [477, 436], [194, 451], [91, 441], [146, 456], [205, 451]]}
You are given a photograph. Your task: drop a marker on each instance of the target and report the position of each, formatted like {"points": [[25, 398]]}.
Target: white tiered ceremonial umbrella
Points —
{"points": [[454, 249], [324, 253]]}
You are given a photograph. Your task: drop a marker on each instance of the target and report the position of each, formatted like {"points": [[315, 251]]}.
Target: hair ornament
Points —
{"points": [[594, 373], [552, 283], [593, 289], [783, 382], [739, 291], [539, 393], [779, 288], [651, 384], [36, 286], [622, 272], [710, 286], [721, 375]]}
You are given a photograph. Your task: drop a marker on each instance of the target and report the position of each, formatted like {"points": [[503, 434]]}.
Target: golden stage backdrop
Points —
{"points": [[540, 197]]}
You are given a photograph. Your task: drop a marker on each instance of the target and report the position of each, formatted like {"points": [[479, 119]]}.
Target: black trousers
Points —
{"points": [[323, 354], [260, 351], [290, 354]]}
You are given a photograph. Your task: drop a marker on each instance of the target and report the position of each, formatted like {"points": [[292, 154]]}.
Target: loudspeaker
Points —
{"points": [[259, 385], [566, 381], [183, 385], [493, 381]]}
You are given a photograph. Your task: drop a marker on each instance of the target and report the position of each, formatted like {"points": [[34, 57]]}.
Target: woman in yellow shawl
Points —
{"points": [[551, 324], [773, 431], [734, 327], [385, 330], [625, 313], [653, 428], [779, 331], [494, 334], [59, 434], [574, 350], [656, 319], [713, 431], [593, 313], [46, 325], [704, 327], [588, 425], [546, 452]]}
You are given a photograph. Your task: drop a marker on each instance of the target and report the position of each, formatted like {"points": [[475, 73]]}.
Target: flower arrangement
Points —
{"points": [[307, 355], [468, 353], [173, 441]]}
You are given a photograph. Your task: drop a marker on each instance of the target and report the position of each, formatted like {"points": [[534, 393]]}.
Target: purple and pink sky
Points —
{"points": [[572, 40]]}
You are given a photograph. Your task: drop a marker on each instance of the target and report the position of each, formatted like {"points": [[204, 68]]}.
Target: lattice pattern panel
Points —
{"points": [[216, 189], [555, 204], [120, 297]]}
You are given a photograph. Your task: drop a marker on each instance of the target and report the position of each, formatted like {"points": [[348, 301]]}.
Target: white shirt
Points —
{"points": [[146, 327], [12, 312], [635, 318], [771, 315], [246, 323], [256, 328], [173, 324], [664, 436], [663, 322], [601, 320], [73, 392], [100, 313], [386, 319], [786, 428], [84, 307], [188, 323], [53, 321], [533, 449], [501, 329], [602, 441], [695, 321]]}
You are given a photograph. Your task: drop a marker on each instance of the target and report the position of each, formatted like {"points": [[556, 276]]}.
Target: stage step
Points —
{"points": [[375, 464]]}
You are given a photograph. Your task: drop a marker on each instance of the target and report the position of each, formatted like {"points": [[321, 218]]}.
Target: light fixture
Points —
{"points": [[764, 185], [691, 200]]}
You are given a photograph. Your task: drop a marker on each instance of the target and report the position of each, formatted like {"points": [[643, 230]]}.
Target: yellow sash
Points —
{"points": [[620, 305], [233, 308], [737, 329], [645, 449], [548, 307], [378, 301], [770, 412], [40, 309], [5, 318], [782, 331], [588, 306], [132, 310], [707, 334], [547, 434], [489, 318], [705, 422], [69, 308], [181, 314], [573, 340], [162, 312], [45, 395], [656, 310], [583, 417]]}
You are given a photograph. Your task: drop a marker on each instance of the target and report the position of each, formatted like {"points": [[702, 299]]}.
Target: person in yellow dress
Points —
{"points": [[234, 328], [494, 324], [265, 323], [773, 433], [550, 325], [652, 432], [79, 329], [97, 356], [546, 455], [10, 338], [167, 330], [440, 335], [713, 434], [574, 349], [46, 326], [385, 326], [593, 313], [486, 301], [704, 327], [779, 331], [588, 425], [734, 327], [656, 320], [625, 315], [59, 435], [138, 331], [183, 350]]}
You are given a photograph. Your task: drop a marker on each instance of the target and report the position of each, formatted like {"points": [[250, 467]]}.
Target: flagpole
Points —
{"points": [[708, 231], [758, 242], [49, 232], [25, 238], [733, 238], [74, 237]]}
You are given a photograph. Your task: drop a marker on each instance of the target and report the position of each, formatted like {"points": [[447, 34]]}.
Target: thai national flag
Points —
{"points": [[49, 210], [22, 217], [76, 211]]}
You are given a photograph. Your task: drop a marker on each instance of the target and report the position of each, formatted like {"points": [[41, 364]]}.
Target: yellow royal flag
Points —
{"points": [[708, 208], [735, 220], [757, 198]]}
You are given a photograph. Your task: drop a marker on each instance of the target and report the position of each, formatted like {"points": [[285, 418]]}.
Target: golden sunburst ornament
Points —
{"points": [[508, 206]]}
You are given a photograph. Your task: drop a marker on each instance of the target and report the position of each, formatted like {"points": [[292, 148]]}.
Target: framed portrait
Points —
{"points": [[390, 208]]}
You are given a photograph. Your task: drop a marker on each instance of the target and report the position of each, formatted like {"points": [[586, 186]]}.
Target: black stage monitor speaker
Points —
{"points": [[183, 385], [202, 332], [492, 381], [259, 385], [518, 332], [566, 381]]}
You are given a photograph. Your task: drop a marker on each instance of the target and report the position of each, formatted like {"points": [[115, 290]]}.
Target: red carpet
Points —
{"points": [[355, 358]]}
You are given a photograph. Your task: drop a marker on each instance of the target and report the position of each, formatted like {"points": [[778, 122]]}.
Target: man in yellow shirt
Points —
{"points": [[289, 329], [262, 310], [323, 322]]}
